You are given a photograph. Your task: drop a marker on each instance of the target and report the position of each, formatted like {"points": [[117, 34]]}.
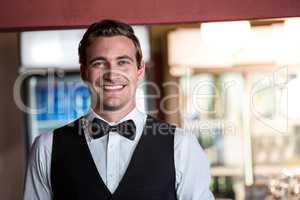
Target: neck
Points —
{"points": [[114, 115]]}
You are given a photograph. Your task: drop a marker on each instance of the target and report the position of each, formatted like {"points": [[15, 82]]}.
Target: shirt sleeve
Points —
{"points": [[192, 168], [37, 183]]}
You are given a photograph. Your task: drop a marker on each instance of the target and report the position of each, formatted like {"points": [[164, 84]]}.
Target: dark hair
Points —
{"points": [[108, 28]]}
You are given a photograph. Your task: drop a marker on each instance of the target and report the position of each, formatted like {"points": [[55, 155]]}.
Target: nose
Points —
{"points": [[108, 71], [111, 71], [109, 75]]}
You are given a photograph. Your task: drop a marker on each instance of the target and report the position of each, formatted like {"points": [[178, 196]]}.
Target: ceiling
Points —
{"points": [[17, 15]]}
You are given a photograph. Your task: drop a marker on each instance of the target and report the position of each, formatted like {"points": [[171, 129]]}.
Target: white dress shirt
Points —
{"points": [[112, 154]]}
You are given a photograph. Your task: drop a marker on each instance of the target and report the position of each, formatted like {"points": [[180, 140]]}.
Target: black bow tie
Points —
{"points": [[99, 128]]}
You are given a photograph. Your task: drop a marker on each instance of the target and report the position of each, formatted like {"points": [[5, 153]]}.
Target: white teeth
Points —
{"points": [[113, 87]]}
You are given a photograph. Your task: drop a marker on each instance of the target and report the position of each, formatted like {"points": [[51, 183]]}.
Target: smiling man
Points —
{"points": [[115, 151], [113, 70]]}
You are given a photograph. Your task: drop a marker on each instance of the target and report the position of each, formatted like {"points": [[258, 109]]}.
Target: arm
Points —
{"points": [[192, 168], [37, 184]]}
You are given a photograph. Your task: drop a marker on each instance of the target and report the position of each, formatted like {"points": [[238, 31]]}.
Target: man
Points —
{"points": [[115, 151]]}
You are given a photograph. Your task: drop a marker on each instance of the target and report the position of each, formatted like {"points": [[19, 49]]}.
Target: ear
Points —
{"points": [[141, 70], [83, 72]]}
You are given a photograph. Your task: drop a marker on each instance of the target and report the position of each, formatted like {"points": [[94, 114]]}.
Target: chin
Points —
{"points": [[112, 106]]}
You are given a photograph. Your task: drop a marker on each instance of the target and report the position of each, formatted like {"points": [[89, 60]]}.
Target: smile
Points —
{"points": [[113, 87]]}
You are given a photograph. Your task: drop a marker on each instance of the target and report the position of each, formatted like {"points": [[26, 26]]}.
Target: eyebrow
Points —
{"points": [[125, 57], [97, 58]]}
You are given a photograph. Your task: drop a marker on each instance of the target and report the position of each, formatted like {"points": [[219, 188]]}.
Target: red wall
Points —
{"points": [[38, 14]]}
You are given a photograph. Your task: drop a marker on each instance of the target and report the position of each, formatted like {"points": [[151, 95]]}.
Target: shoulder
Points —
{"points": [[69, 130], [186, 146], [156, 124], [43, 142], [185, 138], [71, 125], [41, 149]]}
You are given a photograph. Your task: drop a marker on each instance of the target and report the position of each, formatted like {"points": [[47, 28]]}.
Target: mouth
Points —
{"points": [[113, 88]]}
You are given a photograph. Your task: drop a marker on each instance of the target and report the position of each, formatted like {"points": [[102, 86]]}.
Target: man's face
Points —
{"points": [[112, 72]]}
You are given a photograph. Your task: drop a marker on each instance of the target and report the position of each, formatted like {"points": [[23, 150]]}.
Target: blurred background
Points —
{"points": [[232, 78]]}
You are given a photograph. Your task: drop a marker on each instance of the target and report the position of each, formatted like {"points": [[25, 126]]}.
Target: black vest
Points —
{"points": [[149, 176]]}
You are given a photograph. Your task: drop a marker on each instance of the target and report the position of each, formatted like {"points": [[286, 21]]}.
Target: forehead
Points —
{"points": [[111, 47]]}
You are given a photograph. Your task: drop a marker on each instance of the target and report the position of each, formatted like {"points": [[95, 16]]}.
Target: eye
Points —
{"points": [[97, 64], [123, 62]]}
